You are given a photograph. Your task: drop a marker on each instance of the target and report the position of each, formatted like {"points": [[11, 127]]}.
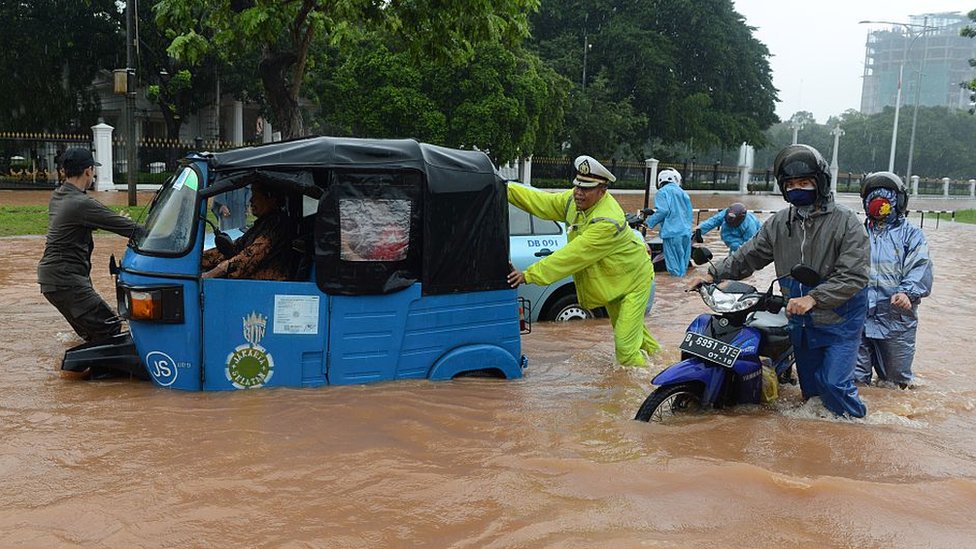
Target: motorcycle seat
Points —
{"points": [[767, 321]]}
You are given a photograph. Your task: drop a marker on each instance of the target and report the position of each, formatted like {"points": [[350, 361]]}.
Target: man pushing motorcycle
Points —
{"points": [[826, 321]]}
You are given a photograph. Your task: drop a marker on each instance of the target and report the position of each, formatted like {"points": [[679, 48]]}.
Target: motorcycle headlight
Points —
{"points": [[722, 302]]}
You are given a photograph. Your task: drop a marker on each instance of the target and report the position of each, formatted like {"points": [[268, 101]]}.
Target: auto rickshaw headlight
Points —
{"points": [[155, 304]]}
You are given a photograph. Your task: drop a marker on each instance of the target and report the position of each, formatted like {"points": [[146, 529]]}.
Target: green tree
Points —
{"points": [[283, 33], [52, 52], [969, 31], [691, 68], [501, 100]]}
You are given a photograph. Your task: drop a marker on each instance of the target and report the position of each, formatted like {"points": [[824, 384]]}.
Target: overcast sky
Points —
{"points": [[817, 46]]}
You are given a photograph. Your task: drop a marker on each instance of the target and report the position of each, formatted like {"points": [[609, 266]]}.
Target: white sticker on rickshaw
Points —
{"points": [[162, 367], [250, 366], [296, 314]]}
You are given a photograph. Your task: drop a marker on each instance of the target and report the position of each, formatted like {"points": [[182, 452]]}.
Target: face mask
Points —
{"points": [[879, 208], [801, 197]]}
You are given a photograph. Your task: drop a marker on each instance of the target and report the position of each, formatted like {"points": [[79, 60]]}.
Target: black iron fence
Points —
{"points": [[32, 160], [558, 172]]}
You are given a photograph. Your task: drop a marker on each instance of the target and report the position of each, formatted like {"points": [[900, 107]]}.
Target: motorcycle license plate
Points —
{"points": [[710, 349]]}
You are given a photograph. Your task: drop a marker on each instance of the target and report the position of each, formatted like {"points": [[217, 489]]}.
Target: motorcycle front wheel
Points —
{"points": [[667, 402]]}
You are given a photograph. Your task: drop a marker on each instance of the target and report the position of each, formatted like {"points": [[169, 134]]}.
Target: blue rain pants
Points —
{"points": [[892, 358], [677, 254], [828, 372]]}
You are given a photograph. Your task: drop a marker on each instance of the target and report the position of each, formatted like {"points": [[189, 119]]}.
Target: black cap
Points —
{"points": [[77, 159]]}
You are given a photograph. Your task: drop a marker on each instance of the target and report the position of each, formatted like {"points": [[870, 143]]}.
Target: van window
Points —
{"points": [[522, 223], [519, 222], [545, 226]]}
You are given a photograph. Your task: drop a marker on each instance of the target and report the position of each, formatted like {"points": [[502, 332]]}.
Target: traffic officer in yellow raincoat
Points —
{"points": [[609, 262]]}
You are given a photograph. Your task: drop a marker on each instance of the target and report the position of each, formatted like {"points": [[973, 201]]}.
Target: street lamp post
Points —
{"points": [[586, 48], [909, 29], [836, 132], [130, 100], [918, 90]]}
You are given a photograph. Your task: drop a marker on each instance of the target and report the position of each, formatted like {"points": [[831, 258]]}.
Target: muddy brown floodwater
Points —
{"points": [[551, 460]]}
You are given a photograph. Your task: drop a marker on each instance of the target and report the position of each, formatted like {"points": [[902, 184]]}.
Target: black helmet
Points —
{"points": [[797, 161], [886, 180]]}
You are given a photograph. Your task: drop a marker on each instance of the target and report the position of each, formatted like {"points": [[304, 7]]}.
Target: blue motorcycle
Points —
{"points": [[723, 353]]}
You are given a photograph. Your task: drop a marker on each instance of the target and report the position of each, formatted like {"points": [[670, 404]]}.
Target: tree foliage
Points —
{"points": [[283, 33], [944, 140], [501, 100], [52, 52], [969, 31], [691, 69]]}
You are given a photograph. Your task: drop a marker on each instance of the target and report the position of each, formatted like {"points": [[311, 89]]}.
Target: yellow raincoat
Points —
{"points": [[609, 263]]}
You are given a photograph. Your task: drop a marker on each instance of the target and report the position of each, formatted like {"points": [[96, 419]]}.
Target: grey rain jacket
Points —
{"points": [[72, 216], [831, 240]]}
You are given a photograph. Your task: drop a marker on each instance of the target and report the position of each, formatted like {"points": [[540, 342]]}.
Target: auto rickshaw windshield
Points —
{"points": [[169, 225]]}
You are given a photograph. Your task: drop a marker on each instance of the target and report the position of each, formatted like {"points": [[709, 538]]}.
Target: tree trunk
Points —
{"points": [[274, 71]]}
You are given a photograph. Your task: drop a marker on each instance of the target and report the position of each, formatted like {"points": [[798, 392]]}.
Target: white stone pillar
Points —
{"points": [[102, 134], [972, 188], [237, 124], [914, 185], [945, 187], [651, 164], [527, 170], [266, 132]]}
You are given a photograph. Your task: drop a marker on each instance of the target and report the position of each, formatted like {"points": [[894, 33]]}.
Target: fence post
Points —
{"points": [[914, 185], [650, 179], [972, 190], [526, 165], [102, 137], [715, 175], [945, 187]]}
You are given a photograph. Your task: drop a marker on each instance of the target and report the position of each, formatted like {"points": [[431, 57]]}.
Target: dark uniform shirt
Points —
{"points": [[72, 216]]}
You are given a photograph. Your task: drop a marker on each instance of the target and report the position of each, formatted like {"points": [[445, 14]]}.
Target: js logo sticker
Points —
{"points": [[250, 366], [162, 368]]}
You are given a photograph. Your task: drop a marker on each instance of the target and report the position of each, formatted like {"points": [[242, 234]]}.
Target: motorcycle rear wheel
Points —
{"points": [[671, 400]]}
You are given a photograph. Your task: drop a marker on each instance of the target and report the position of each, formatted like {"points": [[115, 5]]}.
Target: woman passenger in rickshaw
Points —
{"points": [[264, 252]]}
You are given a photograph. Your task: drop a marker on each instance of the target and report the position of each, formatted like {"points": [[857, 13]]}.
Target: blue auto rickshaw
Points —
{"points": [[432, 302]]}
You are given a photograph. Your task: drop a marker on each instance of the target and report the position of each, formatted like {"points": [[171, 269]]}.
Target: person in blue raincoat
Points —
{"points": [[737, 225], [672, 210], [901, 275], [826, 321]]}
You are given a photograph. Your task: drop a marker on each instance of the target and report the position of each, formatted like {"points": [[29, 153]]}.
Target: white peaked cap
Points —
{"points": [[590, 173]]}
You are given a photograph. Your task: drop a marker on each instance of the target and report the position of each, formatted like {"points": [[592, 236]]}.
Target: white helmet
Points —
{"points": [[668, 175]]}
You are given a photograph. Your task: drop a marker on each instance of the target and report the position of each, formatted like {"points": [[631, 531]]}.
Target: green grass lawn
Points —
{"points": [[24, 220], [965, 216]]}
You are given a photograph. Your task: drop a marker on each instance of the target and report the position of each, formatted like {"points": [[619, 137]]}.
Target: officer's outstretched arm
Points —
{"points": [[586, 249], [539, 203]]}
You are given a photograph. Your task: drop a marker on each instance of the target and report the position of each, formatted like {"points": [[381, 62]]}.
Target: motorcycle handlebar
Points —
{"points": [[774, 303]]}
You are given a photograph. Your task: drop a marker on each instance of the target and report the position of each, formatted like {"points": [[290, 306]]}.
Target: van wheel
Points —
{"points": [[567, 308]]}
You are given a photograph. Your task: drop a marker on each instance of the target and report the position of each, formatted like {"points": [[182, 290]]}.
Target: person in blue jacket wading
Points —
{"points": [[672, 210], [901, 275], [737, 225]]}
